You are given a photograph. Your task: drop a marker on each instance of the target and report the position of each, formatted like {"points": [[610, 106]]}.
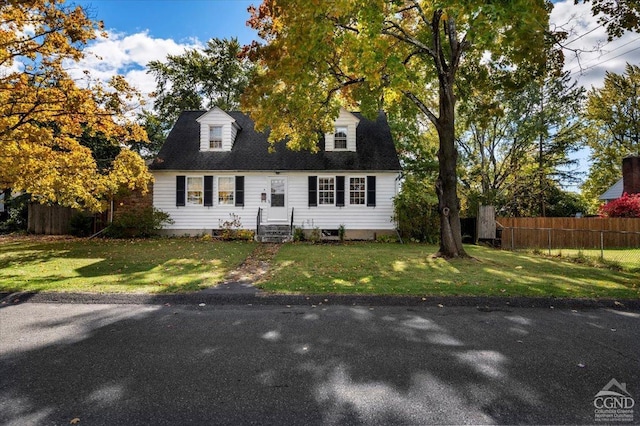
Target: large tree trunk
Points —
{"points": [[447, 183]]}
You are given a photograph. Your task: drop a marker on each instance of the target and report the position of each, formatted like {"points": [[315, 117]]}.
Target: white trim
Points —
{"points": [[333, 177], [347, 191], [187, 201], [233, 190]]}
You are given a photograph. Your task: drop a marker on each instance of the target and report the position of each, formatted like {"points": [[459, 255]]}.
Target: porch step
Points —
{"points": [[274, 233]]}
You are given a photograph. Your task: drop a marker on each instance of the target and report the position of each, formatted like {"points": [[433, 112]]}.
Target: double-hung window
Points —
{"points": [[340, 138], [215, 137], [357, 190], [195, 191], [326, 190], [226, 189]]}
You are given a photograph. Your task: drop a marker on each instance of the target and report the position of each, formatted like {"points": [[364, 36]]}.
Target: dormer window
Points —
{"points": [[340, 138], [215, 137]]}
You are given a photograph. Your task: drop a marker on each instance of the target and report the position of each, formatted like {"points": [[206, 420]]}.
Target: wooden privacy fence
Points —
{"points": [[569, 232], [49, 220]]}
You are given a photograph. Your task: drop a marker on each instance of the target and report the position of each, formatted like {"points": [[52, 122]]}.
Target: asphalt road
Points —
{"points": [[157, 364]]}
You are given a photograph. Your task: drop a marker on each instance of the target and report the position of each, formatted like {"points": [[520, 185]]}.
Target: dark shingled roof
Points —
{"points": [[181, 150]]}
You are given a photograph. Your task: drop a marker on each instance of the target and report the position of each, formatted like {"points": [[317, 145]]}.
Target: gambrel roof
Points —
{"points": [[250, 151]]}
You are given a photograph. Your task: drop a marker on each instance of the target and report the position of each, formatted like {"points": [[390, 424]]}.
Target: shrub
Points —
{"points": [[80, 225], [138, 222], [341, 232], [17, 214], [625, 206], [298, 233], [230, 229], [316, 235]]}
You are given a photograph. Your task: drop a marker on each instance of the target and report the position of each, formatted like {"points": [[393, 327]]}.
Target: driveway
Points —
{"points": [[164, 364]]}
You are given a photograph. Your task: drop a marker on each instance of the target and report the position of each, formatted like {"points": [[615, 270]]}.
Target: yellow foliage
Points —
{"points": [[43, 111]]}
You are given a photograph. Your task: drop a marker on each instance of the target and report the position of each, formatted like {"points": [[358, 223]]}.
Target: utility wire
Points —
{"points": [[602, 62], [579, 66]]}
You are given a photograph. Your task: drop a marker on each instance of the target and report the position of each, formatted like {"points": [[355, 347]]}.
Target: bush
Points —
{"points": [[17, 214], [316, 235], [231, 229], [625, 206], [298, 234], [81, 225], [417, 216], [138, 222]]}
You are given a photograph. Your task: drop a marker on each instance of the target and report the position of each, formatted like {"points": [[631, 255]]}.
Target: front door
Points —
{"points": [[277, 199]]}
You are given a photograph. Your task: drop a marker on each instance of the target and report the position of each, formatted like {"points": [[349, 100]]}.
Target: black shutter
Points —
{"points": [[313, 191], [371, 191], [239, 191], [340, 191], [208, 191], [180, 190]]}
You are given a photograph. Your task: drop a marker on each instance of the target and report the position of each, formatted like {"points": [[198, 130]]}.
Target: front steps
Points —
{"points": [[274, 233]]}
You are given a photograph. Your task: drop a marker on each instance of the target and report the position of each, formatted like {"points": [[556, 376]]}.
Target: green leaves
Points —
{"points": [[197, 79]]}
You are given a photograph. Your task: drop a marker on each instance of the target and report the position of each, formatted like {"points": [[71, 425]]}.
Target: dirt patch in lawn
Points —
{"points": [[256, 266]]}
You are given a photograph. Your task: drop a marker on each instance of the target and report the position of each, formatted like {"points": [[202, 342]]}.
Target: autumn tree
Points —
{"points": [[372, 54], [197, 79], [44, 111], [613, 114]]}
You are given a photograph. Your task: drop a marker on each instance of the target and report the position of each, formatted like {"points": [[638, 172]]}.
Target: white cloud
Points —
{"points": [[127, 55], [593, 54]]}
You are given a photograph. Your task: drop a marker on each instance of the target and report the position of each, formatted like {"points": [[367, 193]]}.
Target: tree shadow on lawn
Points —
{"points": [[276, 365], [164, 266], [411, 271]]}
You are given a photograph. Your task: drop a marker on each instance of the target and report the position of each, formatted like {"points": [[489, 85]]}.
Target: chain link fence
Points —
{"points": [[621, 248]]}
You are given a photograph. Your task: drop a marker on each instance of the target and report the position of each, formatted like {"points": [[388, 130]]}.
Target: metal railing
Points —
{"points": [[258, 221], [291, 225]]}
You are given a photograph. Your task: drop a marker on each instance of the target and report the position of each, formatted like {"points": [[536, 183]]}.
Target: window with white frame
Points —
{"points": [[195, 190], [357, 190], [340, 138], [326, 190], [215, 137], [226, 189]]}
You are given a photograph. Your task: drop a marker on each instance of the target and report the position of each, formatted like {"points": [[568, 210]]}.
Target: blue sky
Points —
{"points": [[180, 20]]}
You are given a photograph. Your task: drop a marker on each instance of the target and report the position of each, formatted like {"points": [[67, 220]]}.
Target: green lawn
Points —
{"points": [[183, 264], [628, 259], [366, 268], [116, 266]]}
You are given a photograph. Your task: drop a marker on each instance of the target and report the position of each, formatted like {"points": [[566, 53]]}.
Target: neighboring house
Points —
{"points": [[214, 167], [630, 182]]}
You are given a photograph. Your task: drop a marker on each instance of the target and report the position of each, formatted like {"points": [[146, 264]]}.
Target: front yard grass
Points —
{"points": [[116, 266], [187, 264], [394, 269]]}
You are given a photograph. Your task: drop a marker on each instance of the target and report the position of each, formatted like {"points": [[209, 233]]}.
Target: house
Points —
{"points": [[629, 183], [215, 167]]}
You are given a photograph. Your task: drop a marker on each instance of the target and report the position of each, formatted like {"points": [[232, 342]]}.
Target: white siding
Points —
{"points": [[217, 117], [353, 217], [348, 120]]}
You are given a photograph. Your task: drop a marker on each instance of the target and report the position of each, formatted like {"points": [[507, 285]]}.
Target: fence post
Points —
{"points": [[601, 245], [512, 243], [549, 232]]}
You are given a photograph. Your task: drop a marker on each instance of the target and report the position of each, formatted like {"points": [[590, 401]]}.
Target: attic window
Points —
{"points": [[340, 138], [215, 137]]}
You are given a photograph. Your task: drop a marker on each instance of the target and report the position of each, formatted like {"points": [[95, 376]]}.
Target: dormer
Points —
{"points": [[343, 137], [218, 130]]}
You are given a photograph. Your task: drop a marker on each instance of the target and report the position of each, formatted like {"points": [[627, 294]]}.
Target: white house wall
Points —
{"points": [[193, 219]]}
